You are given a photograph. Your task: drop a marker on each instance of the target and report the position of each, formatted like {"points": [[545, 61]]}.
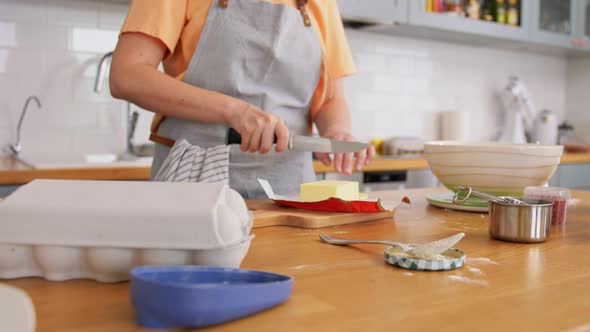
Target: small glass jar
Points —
{"points": [[559, 197]]}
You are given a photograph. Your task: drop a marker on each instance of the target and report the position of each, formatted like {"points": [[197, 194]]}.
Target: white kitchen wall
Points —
{"points": [[402, 83], [51, 48], [578, 96]]}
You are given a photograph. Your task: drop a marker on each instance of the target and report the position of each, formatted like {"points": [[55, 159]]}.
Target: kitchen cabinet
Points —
{"points": [[419, 16], [554, 22], [550, 26], [378, 11], [575, 176], [583, 24]]}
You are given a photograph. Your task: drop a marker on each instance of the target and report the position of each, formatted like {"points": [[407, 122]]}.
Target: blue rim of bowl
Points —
{"points": [[456, 262], [136, 273]]}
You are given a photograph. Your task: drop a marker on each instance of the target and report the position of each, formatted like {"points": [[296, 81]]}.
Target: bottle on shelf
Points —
{"points": [[473, 9], [513, 13], [487, 10], [500, 11], [429, 7], [454, 7]]}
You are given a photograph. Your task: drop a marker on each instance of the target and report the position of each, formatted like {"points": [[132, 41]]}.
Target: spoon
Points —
{"points": [[493, 198], [421, 251]]}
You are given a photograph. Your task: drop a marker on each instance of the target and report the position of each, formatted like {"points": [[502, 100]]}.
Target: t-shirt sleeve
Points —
{"points": [[339, 60], [161, 19]]}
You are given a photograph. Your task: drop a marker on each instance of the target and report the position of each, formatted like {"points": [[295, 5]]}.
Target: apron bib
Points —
{"points": [[263, 54]]}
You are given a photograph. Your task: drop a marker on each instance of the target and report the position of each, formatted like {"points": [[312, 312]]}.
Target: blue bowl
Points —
{"points": [[197, 296]]}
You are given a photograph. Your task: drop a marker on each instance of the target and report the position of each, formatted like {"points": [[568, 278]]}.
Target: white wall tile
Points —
{"points": [[72, 13], [371, 62], [386, 83], [4, 60], [112, 15], [400, 65], [8, 34], [93, 40], [23, 11]]}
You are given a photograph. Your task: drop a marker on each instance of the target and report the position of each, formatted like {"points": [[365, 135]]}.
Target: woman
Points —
{"points": [[263, 67]]}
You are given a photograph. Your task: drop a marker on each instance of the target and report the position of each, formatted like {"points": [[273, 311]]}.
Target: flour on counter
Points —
{"points": [[469, 281], [475, 270], [409, 274], [481, 260], [328, 266], [298, 267]]}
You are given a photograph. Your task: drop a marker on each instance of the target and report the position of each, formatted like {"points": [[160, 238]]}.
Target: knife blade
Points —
{"points": [[308, 143]]}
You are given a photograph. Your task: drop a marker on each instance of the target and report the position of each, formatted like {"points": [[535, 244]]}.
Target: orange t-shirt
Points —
{"points": [[178, 24]]}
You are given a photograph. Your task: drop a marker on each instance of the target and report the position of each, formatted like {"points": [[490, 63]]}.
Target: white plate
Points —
{"points": [[445, 201]]}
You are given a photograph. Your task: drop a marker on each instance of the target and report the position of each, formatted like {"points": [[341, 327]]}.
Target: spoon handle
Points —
{"points": [[332, 240]]}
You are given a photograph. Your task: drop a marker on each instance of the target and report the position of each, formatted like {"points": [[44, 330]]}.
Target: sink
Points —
{"points": [[88, 161]]}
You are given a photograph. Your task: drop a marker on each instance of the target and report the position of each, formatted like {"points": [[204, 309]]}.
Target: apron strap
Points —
{"points": [[161, 140], [301, 5]]}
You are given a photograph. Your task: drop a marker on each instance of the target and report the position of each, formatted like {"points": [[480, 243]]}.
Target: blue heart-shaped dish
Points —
{"points": [[197, 296]]}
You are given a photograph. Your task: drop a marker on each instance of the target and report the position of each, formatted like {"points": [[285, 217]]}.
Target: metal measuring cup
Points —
{"points": [[515, 220]]}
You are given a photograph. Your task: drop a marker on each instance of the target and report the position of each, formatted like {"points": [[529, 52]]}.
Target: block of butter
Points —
{"points": [[322, 190]]}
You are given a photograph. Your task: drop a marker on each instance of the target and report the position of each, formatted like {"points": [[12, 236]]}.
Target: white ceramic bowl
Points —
{"points": [[497, 168]]}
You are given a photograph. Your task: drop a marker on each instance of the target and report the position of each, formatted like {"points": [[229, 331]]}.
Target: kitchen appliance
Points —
{"points": [[519, 112], [308, 143], [545, 128]]}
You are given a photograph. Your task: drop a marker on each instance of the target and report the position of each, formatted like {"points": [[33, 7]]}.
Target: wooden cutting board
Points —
{"points": [[267, 213]]}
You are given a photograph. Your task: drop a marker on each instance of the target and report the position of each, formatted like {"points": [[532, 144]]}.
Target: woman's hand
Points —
{"points": [[344, 162], [258, 129]]}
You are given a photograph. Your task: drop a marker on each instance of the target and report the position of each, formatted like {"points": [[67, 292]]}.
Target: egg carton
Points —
{"points": [[100, 230], [58, 263]]}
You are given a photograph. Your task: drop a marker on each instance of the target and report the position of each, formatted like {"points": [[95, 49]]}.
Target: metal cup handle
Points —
{"points": [[456, 199]]}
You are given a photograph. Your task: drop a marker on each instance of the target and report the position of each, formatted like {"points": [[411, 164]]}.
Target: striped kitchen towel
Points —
{"points": [[191, 163]]}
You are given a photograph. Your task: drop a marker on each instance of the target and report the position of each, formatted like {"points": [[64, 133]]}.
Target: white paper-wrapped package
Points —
{"points": [[124, 214]]}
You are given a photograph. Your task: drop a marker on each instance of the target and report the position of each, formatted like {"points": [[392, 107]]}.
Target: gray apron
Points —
{"points": [[263, 54]]}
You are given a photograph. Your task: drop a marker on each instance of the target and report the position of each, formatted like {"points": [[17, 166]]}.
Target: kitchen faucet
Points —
{"points": [[131, 119], [102, 66], [16, 148]]}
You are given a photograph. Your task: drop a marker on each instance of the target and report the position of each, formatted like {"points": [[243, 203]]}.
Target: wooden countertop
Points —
{"points": [[503, 287], [13, 173]]}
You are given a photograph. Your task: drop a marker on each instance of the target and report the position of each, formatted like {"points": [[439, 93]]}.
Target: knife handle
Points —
{"points": [[233, 137]]}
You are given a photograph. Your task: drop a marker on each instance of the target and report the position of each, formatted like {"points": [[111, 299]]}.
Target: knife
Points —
{"points": [[308, 143]]}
